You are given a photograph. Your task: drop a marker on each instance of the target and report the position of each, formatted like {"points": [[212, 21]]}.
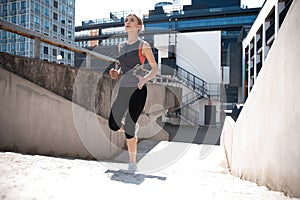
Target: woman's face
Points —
{"points": [[132, 24]]}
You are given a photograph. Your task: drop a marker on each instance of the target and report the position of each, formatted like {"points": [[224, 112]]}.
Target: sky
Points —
{"points": [[98, 9]]}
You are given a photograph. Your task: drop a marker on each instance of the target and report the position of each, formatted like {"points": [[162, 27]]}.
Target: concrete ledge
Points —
{"points": [[227, 138]]}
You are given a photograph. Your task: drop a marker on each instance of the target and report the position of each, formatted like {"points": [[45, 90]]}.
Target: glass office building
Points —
{"points": [[54, 18]]}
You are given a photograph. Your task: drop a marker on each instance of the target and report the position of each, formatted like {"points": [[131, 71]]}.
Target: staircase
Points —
{"points": [[199, 91]]}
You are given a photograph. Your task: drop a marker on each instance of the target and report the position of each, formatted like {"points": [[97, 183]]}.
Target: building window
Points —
{"points": [[63, 9], [70, 13], [46, 24], [69, 23], [69, 56], [69, 34], [37, 7], [54, 28], [55, 4], [13, 7], [14, 19], [63, 20], [13, 47], [62, 54], [55, 16], [46, 12], [4, 34], [54, 52], [62, 31], [46, 49], [23, 5], [22, 46], [4, 47], [4, 8], [23, 18], [36, 20], [47, 1]]}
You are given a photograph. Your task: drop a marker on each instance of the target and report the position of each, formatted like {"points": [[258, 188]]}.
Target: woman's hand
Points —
{"points": [[141, 82], [114, 74]]}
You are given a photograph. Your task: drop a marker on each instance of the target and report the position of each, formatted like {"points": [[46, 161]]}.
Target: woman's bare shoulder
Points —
{"points": [[145, 44], [121, 44]]}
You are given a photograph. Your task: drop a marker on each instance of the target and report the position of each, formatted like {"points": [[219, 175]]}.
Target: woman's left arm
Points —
{"points": [[147, 52]]}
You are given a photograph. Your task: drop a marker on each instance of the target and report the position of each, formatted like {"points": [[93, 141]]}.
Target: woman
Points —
{"points": [[132, 94]]}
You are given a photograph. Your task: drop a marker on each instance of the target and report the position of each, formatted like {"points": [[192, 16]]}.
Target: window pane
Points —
{"points": [[55, 16], [55, 4], [54, 52], [13, 6], [46, 50], [23, 5]]}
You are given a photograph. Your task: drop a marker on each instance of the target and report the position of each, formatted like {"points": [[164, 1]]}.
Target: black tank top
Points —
{"points": [[129, 59]]}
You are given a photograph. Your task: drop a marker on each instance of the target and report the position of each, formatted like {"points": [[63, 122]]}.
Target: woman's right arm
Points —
{"points": [[114, 73]]}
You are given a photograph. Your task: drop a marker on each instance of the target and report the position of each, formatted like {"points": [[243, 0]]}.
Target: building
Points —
{"points": [[259, 41], [55, 18]]}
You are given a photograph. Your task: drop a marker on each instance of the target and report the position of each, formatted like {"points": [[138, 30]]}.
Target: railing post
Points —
{"points": [[88, 61], [37, 47], [194, 82]]}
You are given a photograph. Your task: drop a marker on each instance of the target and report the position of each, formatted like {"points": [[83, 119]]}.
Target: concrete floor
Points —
{"points": [[166, 170]]}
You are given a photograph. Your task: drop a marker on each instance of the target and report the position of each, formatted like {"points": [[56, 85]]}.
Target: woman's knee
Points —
{"points": [[112, 124], [129, 136]]}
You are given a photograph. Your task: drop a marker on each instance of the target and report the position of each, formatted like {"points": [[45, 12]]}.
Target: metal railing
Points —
{"points": [[38, 38], [284, 12], [192, 81], [270, 31]]}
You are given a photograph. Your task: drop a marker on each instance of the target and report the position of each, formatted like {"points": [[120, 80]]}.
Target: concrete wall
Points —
{"points": [[264, 144], [37, 121]]}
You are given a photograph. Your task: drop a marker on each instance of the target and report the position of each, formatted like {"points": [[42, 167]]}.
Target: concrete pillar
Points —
{"points": [[37, 46], [100, 33], [243, 70], [255, 57], [249, 65]]}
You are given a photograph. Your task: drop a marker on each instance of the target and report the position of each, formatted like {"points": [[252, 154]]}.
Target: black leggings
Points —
{"points": [[128, 99]]}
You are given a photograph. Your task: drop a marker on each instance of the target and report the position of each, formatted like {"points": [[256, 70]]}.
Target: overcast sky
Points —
{"points": [[97, 9]]}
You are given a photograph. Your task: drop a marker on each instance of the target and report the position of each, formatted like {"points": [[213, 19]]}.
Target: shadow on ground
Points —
{"points": [[201, 135], [129, 177]]}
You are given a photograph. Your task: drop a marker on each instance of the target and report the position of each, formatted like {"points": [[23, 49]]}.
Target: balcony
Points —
{"points": [[284, 12], [259, 45], [270, 32], [251, 71], [258, 67], [252, 52]]}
